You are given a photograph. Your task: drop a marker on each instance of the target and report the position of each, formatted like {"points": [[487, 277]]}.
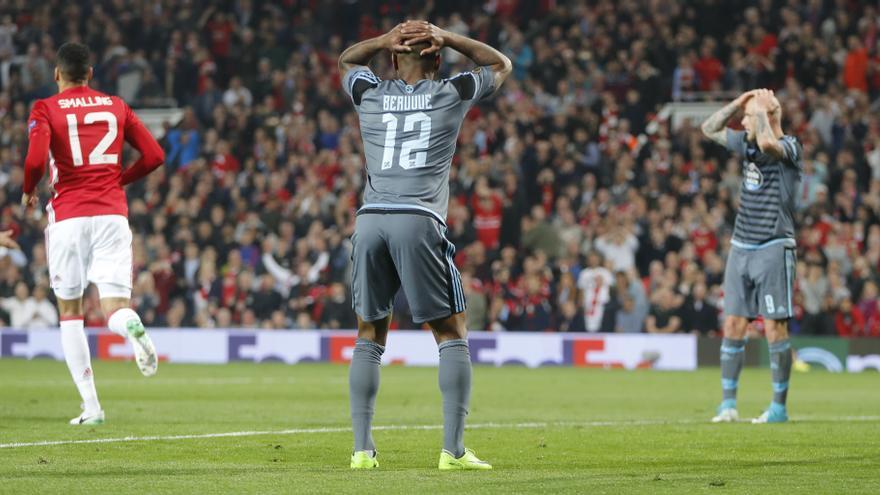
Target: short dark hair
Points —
{"points": [[73, 61], [414, 57]]}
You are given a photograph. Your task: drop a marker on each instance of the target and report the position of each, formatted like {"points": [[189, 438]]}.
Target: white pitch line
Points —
{"points": [[341, 429], [180, 381]]}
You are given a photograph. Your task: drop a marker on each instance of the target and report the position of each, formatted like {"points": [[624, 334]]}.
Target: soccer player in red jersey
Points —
{"points": [[81, 132]]}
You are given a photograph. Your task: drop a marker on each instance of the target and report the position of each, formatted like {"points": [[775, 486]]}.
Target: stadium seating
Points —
{"points": [[247, 224]]}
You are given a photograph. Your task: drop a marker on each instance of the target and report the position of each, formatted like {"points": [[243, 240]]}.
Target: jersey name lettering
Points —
{"points": [[88, 101], [406, 103]]}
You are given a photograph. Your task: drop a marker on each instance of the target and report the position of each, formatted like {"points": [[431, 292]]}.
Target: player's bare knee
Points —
{"points": [[374, 331], [735, 327], [70, 307], [776, 330], [110, 305], [450, 328]]}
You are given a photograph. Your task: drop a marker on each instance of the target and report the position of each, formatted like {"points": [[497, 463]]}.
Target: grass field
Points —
{"points": [[552, 430]]}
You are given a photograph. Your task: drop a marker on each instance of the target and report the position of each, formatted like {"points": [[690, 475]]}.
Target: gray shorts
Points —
{"points": [[394, 250], [760, 282]]}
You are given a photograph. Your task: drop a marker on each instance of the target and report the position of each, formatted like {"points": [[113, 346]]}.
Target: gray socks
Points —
{"points": [[363, 385], [732, 357], [455, 385], [780, 369]]}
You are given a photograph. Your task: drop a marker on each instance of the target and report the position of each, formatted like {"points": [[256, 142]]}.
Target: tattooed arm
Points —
{"points": [[715, 126], [768, 141]]}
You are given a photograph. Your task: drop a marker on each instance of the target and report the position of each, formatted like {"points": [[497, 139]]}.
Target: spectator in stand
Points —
{"points": [[534, 311], [868, 302], [872, 322], [337, 310], [628, 285], [237, 95], [476, 302], [184, 142], [594, 283], [815, 292], [698, 314], [855, 66], [684, 77], [26, 312], [570, 319], [664, 314], [487, 206], [619, 247], [629, 318], [848, 319], [265, 300], [708, 68], [539, 234]]}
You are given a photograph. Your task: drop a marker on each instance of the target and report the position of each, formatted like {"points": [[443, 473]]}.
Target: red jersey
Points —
{"points": [[81, 131], [487, 219]]}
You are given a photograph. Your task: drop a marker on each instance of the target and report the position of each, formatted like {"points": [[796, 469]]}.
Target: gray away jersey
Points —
{"points": [[767, 196], [409, 134]]}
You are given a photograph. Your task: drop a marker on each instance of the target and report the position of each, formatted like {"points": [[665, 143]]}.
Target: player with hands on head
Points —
{"points": [[409, 126], [761, 264]]}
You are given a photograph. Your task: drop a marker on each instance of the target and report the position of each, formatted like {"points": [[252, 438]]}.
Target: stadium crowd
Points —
{"points": [[575, 207]]}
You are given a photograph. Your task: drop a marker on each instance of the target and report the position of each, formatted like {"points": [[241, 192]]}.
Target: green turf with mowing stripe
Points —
{"points": [[606, 432]]}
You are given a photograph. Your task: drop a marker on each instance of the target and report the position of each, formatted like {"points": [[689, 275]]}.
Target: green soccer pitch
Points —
{"points": [[552, 430]]}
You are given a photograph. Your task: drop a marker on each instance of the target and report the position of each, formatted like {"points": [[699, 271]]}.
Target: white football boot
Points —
{"points": [[89, 418], [144, 351]]}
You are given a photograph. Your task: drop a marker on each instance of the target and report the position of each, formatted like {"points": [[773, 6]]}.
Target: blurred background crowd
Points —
{"points": [[575, 206]]}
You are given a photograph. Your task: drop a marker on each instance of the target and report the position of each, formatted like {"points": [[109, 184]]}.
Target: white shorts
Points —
{"points": [[90, 249]]}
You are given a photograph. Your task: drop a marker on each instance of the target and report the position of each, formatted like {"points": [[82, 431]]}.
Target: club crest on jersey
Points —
{"points": [[752, 177], [408, 88]]}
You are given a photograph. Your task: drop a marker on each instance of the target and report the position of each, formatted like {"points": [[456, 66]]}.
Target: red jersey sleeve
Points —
{"points": [[152, 155], [39, 137]]}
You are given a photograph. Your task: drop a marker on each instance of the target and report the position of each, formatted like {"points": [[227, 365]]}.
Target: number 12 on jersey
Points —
{"points": [[408, 159], [97, 156]]}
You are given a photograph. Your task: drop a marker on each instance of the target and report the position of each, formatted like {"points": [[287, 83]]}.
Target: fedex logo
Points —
{"points": [[411, 348], [592, 353], [260, 347], [113, 347]]}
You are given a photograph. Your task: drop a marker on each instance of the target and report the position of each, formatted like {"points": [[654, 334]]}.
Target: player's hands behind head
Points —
{"points": [[742, 99], [766, 100], [424, 32], [394, 39]]}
